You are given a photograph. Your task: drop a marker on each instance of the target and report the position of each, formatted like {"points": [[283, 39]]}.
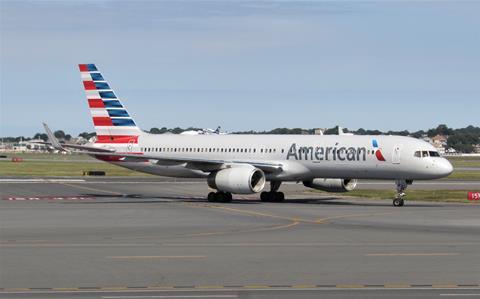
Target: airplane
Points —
{"points": [[243, 164]]}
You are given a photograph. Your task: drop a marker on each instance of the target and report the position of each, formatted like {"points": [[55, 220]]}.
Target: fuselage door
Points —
{"points": [[397, 153]]}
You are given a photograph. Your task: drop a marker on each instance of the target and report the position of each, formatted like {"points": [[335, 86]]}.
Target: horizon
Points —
{"points": [[382, 131], [242, 65]]}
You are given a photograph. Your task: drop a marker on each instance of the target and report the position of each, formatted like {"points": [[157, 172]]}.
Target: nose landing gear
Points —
{"points": [[401, 186]]}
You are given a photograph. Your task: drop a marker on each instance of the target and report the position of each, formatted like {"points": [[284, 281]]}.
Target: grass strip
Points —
{"points": [[52, 168], [422, 195]]}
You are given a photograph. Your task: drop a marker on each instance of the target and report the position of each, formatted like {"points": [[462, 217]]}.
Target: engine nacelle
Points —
{"points": [[240, 180], [332, 185]]}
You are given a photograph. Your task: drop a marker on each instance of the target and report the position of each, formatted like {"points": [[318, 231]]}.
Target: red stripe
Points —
{"points": [[95, 103], [83, 67], [117, 139], [102, 121], [89, 85]]}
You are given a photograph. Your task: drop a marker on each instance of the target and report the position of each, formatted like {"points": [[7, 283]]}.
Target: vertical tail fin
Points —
{"points": [[112, 122]]}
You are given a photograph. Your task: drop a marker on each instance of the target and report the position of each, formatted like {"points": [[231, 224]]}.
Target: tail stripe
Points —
{"points": [[102, 121], [87, 68], [112, 104], [117, 113], [107, 95], [94, 85], [96, 103], [96, 77]]}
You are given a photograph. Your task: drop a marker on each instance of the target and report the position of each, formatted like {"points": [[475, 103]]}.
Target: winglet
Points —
{"points": [[53, 140]]}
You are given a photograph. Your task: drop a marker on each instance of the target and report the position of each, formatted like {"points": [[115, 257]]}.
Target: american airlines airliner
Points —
{"points": [[243, 164]]}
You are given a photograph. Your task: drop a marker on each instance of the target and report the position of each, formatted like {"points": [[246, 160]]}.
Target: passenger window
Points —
{"points": [[418, 154]]}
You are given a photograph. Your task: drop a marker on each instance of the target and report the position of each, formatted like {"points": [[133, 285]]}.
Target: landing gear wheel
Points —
{"points": [[225, 197], [272, 196], [398, 202], [211, 197], [264, 196], [280, 196], [219, 197], [401, 186]]}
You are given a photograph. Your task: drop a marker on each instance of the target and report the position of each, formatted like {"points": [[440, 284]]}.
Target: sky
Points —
{"points": [[243, 65]]}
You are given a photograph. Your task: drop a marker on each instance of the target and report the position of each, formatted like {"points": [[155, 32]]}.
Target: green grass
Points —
{"points": [[75, 164], [52, 168], [464, 175], [423, 195], [459, 161]]}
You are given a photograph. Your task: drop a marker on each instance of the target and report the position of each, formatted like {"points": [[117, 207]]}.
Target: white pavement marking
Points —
{"points": [[460, 295], [414, 254], [171, 296], [41, 180], [422, 183], [140, 257]]}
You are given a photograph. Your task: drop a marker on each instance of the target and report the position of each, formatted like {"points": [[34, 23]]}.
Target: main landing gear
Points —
{"points": [[273, 195], [401, 185], [219, 196]]}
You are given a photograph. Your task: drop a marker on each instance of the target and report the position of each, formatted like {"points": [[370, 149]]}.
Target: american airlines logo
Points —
{"points": [[378, 153], [332, 153], [321, 153]]}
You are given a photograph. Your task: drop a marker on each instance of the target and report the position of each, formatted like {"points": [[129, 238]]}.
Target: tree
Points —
{"points": [[59, 134], [41, 136], [463, 142], [155, 131], [87, 135], [440, 130]]}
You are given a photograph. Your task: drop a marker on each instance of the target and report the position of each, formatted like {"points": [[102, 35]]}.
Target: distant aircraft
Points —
{"points": [[217, 131], [242, 164]]}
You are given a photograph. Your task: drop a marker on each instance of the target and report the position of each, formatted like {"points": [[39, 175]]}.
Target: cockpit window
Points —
{"points": [[420, 154]]}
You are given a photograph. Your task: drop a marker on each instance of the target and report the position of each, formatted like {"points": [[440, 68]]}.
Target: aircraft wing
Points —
{"points": [[193, 163]]}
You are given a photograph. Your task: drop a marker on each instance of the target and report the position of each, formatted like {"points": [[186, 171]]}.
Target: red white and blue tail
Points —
{"points": [[113, 124]]}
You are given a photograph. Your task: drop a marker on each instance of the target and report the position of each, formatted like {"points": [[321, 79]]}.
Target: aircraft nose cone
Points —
{"points": [[445, 168]]}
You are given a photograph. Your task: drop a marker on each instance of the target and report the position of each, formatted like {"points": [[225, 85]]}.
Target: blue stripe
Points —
{"points": [[107, 95], [112, 104], [97, 77], [101, 85], [374, 143], [123, 122], [117, 113], [91, 68]]}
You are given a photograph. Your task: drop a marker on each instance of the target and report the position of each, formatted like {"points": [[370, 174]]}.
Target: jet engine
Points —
{"points": [[243, 179], [332, 185]]}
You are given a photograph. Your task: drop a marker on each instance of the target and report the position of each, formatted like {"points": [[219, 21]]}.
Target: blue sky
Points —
{"points": [[243, 65]]}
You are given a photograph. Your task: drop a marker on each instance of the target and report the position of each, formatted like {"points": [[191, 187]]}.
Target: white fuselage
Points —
{"points": [[302, 157]]}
